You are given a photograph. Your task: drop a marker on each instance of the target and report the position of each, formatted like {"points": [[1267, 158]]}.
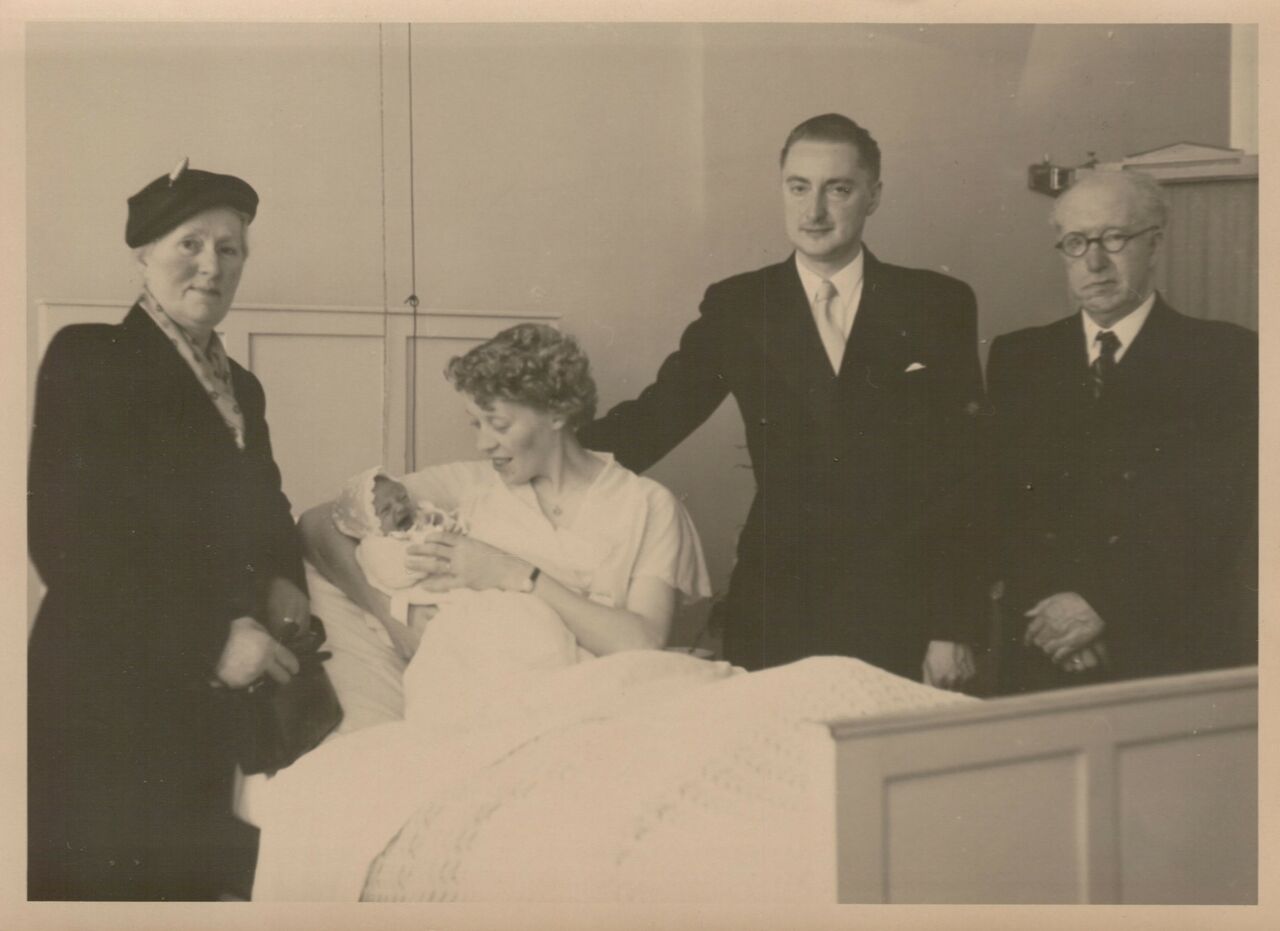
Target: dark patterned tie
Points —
{"points": [[1104, 367]]}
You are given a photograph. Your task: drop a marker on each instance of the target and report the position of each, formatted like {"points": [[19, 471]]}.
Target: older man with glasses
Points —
{"points": [[1123, 465]]}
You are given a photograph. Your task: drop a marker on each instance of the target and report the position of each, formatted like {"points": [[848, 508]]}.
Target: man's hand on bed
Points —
{"points": [[454, 561], [948, 665]]}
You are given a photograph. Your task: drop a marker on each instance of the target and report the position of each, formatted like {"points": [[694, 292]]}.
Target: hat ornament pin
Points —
{"points": [[178, 170]]}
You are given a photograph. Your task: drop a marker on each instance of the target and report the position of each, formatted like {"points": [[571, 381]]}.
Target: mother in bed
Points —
{"points": [[607, 550]]}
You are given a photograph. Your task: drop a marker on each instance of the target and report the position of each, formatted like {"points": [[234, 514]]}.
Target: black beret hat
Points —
{"points": [[170, 199]]}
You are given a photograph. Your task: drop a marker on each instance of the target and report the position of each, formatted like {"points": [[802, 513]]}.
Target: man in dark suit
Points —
{"points": [[1124, 464], [857, 381]]}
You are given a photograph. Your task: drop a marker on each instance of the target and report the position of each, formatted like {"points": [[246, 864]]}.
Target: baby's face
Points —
{"points": [[392, 505]]}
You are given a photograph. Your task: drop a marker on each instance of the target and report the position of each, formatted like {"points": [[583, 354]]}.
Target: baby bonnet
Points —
{"points": [[354, 512]]}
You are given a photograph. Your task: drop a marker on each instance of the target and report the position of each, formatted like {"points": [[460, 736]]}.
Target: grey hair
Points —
{"points": [[1150, 197]]}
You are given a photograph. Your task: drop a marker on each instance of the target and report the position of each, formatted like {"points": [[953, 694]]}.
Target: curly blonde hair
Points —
{"points": [[531, 364]]}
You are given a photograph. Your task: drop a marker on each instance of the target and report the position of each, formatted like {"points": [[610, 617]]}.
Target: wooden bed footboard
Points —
{"points": [[1135, 792]]}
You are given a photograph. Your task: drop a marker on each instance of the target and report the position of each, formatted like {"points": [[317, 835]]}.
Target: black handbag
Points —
{"points": [[277, 723]]}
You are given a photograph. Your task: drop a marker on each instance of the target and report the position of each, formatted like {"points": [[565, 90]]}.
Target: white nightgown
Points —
{"points": [[628, 527]]}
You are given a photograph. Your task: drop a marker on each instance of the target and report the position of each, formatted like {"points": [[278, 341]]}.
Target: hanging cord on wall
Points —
{"points": [[382, 163], [411, 447]]}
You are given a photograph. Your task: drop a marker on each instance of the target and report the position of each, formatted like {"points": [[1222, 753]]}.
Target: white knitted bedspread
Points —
{"points": [[684, 782]]}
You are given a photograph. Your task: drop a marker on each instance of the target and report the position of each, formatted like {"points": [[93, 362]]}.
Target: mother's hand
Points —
{"points": [[453, 561]]}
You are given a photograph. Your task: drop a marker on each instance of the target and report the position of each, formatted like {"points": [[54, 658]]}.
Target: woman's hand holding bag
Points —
{"points": [[251, 653], [289, 710]]}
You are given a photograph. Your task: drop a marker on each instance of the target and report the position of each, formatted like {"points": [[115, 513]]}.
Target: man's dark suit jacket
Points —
{"points": [[1144, 502], [152, 531], [848, 548]]}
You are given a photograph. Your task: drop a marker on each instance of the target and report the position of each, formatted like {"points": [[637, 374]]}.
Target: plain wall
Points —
{"points": [[294, 109], [561, 168], [606, 174]]}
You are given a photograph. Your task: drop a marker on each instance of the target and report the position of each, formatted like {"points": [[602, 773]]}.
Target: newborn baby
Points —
{"points": [[481, 637], [377, 510]]}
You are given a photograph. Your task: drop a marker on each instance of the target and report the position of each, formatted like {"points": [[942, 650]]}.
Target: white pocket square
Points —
{"points": [[914, 367]]}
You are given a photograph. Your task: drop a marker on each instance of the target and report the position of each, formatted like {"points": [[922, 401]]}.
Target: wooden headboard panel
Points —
{"points": [[1136, 792]]}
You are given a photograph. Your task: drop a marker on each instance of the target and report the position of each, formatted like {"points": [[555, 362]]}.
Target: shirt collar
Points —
{"points": [[847, 280], [1126, 329]]}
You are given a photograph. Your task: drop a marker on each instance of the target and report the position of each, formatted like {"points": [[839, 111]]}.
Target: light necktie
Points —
{"points": [[826, 314], [1103, 367]]}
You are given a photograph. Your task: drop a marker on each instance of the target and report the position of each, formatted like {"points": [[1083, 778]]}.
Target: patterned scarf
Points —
{"points": [[211, 366]]}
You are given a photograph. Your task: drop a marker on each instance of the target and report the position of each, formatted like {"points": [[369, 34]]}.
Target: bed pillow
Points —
{"points": [[367, 672]]}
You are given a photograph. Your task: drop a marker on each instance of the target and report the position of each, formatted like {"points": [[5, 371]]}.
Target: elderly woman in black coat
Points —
{"points": [[158, 525]]}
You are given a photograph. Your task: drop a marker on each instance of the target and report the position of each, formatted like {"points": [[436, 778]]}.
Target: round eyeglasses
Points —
{"points": [[1113, 241]]}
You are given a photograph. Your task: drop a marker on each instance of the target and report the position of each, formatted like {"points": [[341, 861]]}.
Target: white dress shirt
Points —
{"points": [[848, 284], [1126, 329]]}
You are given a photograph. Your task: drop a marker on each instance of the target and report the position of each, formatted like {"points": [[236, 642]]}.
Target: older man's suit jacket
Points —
{"points": [[1143, 502], [855, 541]]}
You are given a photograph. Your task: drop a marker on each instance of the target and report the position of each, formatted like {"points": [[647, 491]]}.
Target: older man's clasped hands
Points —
{"points": [[1069, 632]]}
